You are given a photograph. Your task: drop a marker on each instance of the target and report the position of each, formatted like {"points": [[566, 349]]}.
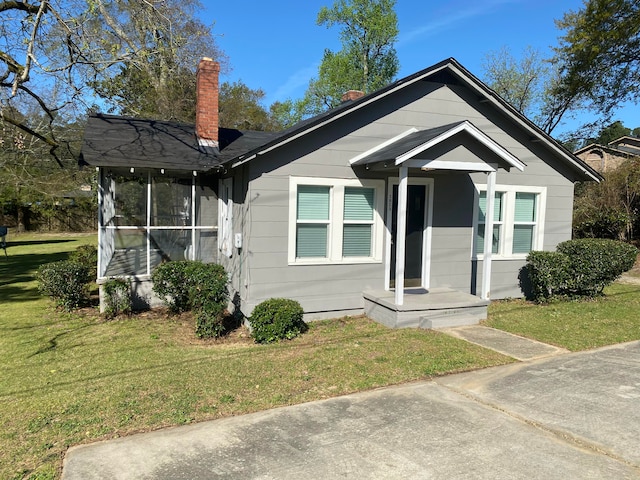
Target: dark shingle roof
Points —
{"points": [[114, 141], [128, 142], [406, 144]]}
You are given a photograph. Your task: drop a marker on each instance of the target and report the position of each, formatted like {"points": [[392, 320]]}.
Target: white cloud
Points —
{"points": [[444, 22], [295, 85]]}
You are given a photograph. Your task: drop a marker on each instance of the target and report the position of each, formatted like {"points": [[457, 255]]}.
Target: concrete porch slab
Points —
{"points": [[435, 308]]}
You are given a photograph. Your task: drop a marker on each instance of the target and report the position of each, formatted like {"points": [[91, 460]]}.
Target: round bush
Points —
{"points": [[171, 284], [579, 268], [64, 281], [277, 319], [596, 263]]}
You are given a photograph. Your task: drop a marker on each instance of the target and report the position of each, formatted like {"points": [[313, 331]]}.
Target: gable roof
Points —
{"points": [[414, 143], [613, 148], [448, 71], [120, 141]]}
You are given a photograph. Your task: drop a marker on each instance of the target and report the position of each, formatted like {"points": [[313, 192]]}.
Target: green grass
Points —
{"points": [[574, 325], [70, 378]]}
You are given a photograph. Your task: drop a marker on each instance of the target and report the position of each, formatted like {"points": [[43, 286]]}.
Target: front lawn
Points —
{"points": [[574, 325], [75, 378]]}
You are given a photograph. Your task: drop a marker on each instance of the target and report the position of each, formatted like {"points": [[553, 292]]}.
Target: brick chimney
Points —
{"points": [[352, 95], [207, 102]]}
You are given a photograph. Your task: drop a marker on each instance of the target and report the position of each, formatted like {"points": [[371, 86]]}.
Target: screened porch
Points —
{"points": [[151, 216]]}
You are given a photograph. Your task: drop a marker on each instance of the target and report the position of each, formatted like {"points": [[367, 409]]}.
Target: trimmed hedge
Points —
{"points": [[191, 285], [548, 274], [579, 268], [277, 319], [65, 282], [596, 263]]}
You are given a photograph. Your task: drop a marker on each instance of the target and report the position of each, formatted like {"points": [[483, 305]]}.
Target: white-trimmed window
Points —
{"points": [[518, 220], [335, 220]]}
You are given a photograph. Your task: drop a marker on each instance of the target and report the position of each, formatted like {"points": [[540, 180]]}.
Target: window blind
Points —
{"points": [[313, 202], [497, 207], [525, 207], [358, 203]]}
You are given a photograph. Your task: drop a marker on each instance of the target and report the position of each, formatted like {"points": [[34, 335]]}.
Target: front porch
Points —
{"points": [[431, 309]]}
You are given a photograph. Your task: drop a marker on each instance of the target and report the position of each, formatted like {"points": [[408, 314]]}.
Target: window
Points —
{"points": [[335, 220], [497, 221], [517, 220], [357, 232]]}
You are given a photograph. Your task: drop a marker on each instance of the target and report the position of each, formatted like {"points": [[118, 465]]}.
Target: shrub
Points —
{"points": [[86, 255], [277, 319], [201, 287], [579, 268], [548, 274], [596, 263], [65, 282], [117, 297], [208, 298], [171, 284]]}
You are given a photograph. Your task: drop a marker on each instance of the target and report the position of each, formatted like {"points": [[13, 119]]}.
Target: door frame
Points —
{"points": [[426, 233]]}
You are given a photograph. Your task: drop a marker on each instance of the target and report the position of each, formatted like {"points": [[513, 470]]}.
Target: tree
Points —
{"points": [[28, 179], [528, 84], [610, 209], [240, 107], [519, 82], [367, 60], [612, 132], [599, 55], [157, 79], [285, 114], [49, 49]]}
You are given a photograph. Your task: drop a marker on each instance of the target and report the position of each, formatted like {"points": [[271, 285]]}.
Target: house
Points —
{"points": [[377, 206], [604, 158]]}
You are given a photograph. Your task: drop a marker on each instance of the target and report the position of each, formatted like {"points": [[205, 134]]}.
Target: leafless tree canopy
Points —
{"points": [[56, 54]]}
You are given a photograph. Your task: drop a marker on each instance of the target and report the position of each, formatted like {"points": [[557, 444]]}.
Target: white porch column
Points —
{"points": [[401, 233], [488, 236]]}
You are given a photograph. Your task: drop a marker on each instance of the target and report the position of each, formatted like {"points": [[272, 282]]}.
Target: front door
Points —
{"points": [[417, 198]]}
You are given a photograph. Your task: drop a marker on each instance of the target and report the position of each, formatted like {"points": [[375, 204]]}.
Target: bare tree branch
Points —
{"points": [[18, 5]]}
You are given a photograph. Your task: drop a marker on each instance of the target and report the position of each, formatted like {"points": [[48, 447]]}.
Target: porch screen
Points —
{"points": [[152, 217], [358, 222], [524, 222], [312, 220]]}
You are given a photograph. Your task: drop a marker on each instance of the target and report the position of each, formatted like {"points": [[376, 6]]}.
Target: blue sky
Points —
{"points": [[277, 46]]}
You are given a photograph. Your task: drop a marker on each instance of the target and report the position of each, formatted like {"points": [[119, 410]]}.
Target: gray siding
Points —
{"points": [[261, 269]]}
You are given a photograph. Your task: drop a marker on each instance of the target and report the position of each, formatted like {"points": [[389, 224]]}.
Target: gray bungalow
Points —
{"points": [[377, 206]]}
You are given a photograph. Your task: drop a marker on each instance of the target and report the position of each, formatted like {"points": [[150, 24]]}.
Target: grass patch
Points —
{"points": [[71, 378], [574, 325]]}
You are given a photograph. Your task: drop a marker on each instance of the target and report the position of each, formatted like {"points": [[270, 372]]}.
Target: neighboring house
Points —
{"points": [[376, 206], [604, 158]]}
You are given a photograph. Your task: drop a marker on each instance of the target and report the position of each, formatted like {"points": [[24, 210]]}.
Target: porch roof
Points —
{"points": [[416, 148]]}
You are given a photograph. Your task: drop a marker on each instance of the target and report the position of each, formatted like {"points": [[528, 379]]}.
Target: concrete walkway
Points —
{"points": [[514, 346], [572, 416]]}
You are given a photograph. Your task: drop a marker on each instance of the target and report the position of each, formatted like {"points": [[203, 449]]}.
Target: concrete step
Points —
{"points": [[448, 321]]}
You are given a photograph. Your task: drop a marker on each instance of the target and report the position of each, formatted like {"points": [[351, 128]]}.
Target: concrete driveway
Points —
{"points": [[571, 416]]}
